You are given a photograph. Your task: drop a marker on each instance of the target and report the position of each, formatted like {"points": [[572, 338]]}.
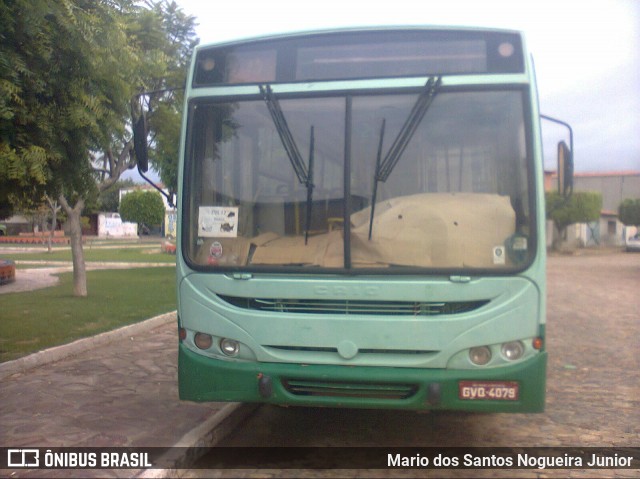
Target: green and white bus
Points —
{"points": [[361, 222]]}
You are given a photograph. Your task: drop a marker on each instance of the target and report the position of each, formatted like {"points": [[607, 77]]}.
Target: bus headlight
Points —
{"points": [[203, 340], [229, 347], [480, 355], [513, 350]]}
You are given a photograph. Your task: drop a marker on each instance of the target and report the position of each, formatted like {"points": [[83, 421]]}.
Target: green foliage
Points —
{"points": [[68, 69], [65, 67], [166, 35], [6, 210], [142, 207], [23, 164], [109, 199], [582, 207], [85, 222], [629, 212], [164, 156]]}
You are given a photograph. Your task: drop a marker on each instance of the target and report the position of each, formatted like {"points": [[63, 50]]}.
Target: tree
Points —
{"points": [[109, 199], [54, 208], [68, 69], [581, 207], [27, 106], [164, 107], [629, 212], [142, 207], [68, 66]]}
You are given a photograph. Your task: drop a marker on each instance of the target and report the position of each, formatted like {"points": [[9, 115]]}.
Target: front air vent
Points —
{"points": [[328, 306], [315, 349], [365, 390]]}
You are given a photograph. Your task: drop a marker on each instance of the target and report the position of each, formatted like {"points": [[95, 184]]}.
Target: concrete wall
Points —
{"points": [[111, 225], [607, 231], [614, 187]]}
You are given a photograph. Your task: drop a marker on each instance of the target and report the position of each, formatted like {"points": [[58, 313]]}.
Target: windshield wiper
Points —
{"points": [[374, 193], [385, 167], [304, 174], [309, 185]]}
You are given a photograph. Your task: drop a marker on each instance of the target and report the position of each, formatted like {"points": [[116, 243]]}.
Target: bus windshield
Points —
{"points": [[456, 197]]}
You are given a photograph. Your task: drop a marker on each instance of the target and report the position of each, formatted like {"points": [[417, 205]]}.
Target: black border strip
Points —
{"points": [[279, 458]]}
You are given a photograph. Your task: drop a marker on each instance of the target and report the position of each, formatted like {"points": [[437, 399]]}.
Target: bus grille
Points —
{"points": [[321, 349], [327, 306], [306, 387]]}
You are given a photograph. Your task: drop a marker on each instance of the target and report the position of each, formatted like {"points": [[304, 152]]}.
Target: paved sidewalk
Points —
{"points": [[115, 389]]}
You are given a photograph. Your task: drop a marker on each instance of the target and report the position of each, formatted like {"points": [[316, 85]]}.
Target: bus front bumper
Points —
{"points": [[205, 379]]}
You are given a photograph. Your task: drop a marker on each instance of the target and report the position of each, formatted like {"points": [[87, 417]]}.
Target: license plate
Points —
{"points": [[488, 390]]}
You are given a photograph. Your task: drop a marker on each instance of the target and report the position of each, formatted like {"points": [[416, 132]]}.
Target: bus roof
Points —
{"points": [[357, 53], [364, 29]]}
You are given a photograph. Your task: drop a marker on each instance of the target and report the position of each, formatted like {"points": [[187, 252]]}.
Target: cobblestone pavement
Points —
{"points": [[123, 393], [593, 389]]}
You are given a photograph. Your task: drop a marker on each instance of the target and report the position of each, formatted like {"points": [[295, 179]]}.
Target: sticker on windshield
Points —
{"points": [[519, 243], [498, 255], [218, 221], [216, 250]]}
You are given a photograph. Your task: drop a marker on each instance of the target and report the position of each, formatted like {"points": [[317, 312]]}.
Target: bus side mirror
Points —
{"points": [[565, 160], [565, 170], [140, 143]]}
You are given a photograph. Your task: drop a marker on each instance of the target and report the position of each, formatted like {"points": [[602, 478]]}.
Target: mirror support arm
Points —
{"points": [[139, 126], [565, 124]]}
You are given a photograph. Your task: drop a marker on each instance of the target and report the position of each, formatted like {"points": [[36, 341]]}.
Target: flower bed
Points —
{"points": [[169, 248], [33, 240], [7, 271]]}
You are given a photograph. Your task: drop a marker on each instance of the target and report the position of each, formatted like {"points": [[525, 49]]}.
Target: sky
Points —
{"points": [[586, 53]]}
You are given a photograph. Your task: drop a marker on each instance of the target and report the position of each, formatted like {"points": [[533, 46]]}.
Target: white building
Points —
{"points": [[169, 228], [110, 225]]}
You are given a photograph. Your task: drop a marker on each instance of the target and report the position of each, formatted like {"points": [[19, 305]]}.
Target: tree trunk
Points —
{"points": [[560, 240], [54, 220], [77, 254], [556, 240]]}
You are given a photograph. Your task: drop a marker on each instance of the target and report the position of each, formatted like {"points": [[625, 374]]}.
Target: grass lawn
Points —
{"points": [[34, 320], [127, 255]]}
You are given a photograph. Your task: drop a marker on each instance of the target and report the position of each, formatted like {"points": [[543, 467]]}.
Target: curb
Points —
{"points": [[57, 353], [194, 444]]}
